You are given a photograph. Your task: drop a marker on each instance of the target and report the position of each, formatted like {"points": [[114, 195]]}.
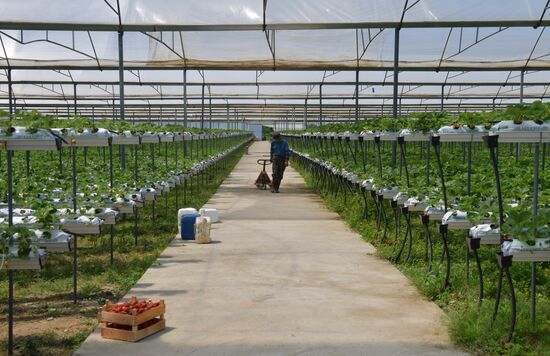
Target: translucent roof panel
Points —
{"points": [[58, 11], [215, 12], [422, 48]]}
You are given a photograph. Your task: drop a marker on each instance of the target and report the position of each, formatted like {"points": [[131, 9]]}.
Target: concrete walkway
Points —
{"points": [[285, 276]]}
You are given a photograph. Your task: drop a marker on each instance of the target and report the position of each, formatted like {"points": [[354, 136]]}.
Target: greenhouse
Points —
{"points": [[143, 145]]}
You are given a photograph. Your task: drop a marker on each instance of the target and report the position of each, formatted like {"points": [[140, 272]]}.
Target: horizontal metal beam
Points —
{"points": [[285, 66], [259, 83], [57, 26], [262, 98]]}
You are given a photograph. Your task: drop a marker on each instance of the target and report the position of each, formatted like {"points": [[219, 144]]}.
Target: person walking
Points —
{"points": [[280, 153]]}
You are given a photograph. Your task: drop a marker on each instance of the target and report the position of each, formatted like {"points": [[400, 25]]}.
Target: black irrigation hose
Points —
{"points": [[373, 196], [406, 236], [480, 274], [401, 142], [499, 293], [404, 240], [505, 262], [381, 199], [397, 220], [426, 223], [492, 144], [378, 210], [513, 306], [408, 219], [366, 206], [436, 145], [352, 152], [443, 229], [379, 154]]}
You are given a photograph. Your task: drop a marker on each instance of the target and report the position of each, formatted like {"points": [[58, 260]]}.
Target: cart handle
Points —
{"points": [[264, 161]]}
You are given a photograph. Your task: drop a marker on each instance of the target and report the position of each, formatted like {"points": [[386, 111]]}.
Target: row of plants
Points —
{"points": [[46, 320], [34, 121], [537, 111], [43, 180], [470, 189], [92, 182]]}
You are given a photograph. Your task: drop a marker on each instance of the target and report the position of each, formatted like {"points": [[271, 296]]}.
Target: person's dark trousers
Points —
{"points": [[278, 171]]}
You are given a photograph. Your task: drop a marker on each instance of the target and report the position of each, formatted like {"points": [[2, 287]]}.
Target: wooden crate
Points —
{"points": [[132, 333], [131, 327]]}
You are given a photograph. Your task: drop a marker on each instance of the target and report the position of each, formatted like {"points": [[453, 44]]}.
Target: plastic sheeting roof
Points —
{"points": [[222, 12]]}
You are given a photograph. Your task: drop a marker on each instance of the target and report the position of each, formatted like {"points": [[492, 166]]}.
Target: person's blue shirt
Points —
{"points": [[280, 149]]}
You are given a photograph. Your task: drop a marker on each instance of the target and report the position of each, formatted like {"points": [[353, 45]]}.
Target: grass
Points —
{"points": [[469, 323], [44, 312]]}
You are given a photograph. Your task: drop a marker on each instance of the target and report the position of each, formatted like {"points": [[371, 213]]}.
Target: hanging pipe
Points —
{"points": [[426, 223], [505, 262], [112, 227]]}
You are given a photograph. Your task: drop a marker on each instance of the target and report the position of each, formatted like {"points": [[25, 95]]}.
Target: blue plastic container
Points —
{"points": [[188, 226]]}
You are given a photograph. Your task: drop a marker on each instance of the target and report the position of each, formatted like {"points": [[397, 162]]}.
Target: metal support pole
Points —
{"points": [[112, 229], [320, 104], [357, 95], [10, 272], [202, 107], [74, 99], [521, 87], [121, 73], [395, 89], [305, 114], [10, 313], [10, 94], [442, 97], [228, 122], [75, 253], [535, 212], [209, 110], [185, 97]]}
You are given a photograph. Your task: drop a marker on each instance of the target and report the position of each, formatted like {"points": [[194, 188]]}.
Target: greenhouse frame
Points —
{"points": [[180, 84]]}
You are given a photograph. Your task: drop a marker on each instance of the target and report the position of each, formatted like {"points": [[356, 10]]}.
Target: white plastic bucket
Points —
{"points": [[211, 213], [182, 212]]}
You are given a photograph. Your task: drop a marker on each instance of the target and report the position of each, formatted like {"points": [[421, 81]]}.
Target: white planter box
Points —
{"points": [[456, 220], [459, 225], [35, 260], [78, 228], [55, 246], [389, 193], [166, 138], [25, 221], [532, 256], [413, 136], [124, 208], [150, 139], [388, 136], [126, 140], [108, 219], [27, 263], [461, 134], [148, 196], [85, 141], [527, 131], [23, 144], [415, 205]]}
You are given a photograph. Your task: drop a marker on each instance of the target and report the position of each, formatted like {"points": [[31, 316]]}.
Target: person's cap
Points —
{"points": [[276, 134]]}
